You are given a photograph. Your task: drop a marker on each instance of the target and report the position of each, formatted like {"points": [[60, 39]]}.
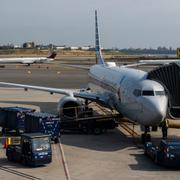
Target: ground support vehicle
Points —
{"points": [[12, 119], [90, 125], [34, 150], [166, 154], [43, 122]]}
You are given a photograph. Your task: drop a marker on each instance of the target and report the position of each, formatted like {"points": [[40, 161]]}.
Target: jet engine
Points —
{"points": [[70, 107]]}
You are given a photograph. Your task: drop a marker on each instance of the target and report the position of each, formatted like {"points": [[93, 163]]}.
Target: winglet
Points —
{"points": [[53, 55], [99, 57]]}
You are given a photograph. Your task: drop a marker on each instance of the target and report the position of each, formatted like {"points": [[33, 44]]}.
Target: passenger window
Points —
{"points": [[148, 93], [137, 92]]}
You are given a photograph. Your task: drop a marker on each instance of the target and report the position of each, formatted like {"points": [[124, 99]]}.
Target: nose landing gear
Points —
{"points": [[146, 137]]}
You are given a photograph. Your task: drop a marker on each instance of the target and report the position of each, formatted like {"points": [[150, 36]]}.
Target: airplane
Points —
{"points": [[29, 60], [120, 88]]}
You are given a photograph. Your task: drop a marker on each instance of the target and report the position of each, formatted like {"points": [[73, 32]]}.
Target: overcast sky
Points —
{"points": [[123, 23]]}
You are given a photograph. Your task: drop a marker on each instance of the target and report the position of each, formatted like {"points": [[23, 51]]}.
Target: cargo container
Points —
{"points": [[43, 122], [12, 118]]}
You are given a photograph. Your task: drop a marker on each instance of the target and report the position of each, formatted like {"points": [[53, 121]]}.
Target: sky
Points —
{"points": [[122, 23]]}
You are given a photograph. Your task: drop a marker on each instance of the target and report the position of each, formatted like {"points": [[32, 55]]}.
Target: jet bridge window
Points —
{"points": [[147, 93]]}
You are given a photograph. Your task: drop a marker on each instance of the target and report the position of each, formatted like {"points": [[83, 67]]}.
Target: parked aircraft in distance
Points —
{"points": [[126, 90], [28, 60]]}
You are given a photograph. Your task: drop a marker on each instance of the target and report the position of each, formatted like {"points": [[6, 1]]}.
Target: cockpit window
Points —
{"points": [[147, 93], [159, 93], [138, 92]]}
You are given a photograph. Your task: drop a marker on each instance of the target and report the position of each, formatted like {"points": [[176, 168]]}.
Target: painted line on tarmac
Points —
{"points": [[131, 131], [66, 170], [12, 171]]}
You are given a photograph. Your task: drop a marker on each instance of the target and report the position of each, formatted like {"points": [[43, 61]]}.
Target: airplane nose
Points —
{"points": [[155, 111], [159, 109]]}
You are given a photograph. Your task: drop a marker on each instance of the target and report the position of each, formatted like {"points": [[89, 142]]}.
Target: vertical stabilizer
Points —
{"points": [[99, 57], [53, 55]]}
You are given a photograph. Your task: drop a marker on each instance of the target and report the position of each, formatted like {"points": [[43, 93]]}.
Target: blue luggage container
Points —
{"points": [[43, 122]]}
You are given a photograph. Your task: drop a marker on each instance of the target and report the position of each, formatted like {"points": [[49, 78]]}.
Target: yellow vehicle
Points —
{"points": [[178, 53]]}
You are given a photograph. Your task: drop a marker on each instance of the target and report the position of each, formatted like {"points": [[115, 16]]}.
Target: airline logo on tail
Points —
{"points": [[52, 56], [99, 57]]}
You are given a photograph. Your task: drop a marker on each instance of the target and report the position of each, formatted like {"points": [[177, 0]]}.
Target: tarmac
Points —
{"points": [[113, 155]]}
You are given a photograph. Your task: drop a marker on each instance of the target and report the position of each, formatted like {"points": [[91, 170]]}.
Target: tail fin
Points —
{"points": [[99, 57], [53, 55]]}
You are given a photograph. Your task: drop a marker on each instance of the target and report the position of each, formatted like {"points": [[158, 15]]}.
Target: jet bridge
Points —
{"points": [[169, 77]]}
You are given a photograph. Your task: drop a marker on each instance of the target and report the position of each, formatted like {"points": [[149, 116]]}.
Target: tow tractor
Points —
{"points": [[166, 154], [34, 150]]}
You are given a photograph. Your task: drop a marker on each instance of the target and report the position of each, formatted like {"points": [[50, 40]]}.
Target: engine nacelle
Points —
{"points": [[70, 107]]}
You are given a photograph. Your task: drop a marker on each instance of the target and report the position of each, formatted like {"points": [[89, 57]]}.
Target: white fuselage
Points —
{"points": [[124, 88], [26, 60]]}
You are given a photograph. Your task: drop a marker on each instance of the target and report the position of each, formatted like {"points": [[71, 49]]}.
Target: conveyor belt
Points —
{"points": [[169, 77]]}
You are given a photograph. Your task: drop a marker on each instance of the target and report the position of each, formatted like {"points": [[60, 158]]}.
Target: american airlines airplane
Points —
{"points": [[29, 60], [126, 90]]}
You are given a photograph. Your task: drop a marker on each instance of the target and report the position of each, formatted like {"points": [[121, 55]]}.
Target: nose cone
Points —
{"points": [[154, 110], [158, 111]]}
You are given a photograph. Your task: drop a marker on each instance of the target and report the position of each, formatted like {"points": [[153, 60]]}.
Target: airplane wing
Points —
{"points": [[83, 67], [154, 62], [133, 65], [80, 94], [160, 61], [40, 88]]}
